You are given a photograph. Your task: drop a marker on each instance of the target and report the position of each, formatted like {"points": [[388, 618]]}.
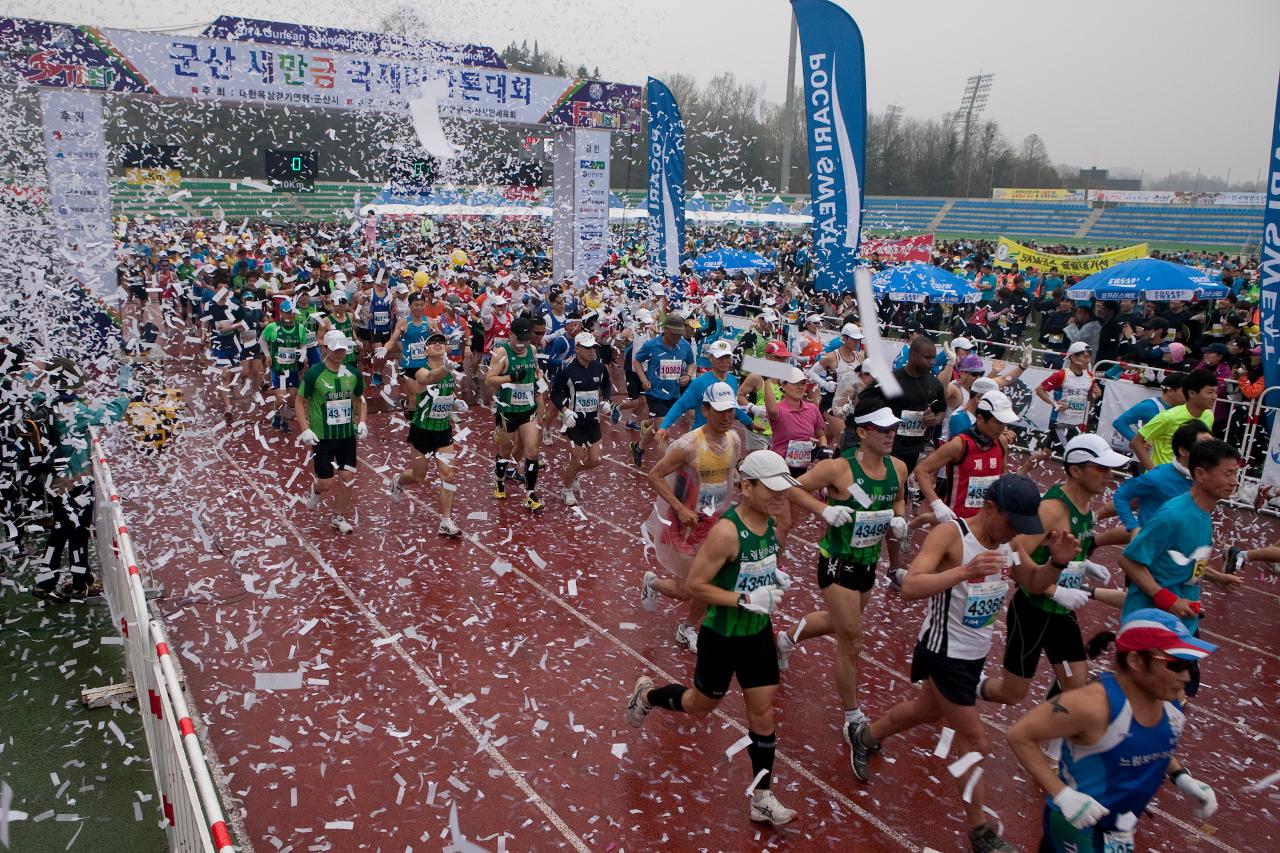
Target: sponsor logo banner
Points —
{"points": [[902, 250], [591, 202], [160, 177], [1029, 194], [666, 179], [1008, 253], [1178, 197], [1269, 280]]}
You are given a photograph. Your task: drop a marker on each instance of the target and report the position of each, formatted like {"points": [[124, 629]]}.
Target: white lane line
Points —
{"points": [[423, 676]]}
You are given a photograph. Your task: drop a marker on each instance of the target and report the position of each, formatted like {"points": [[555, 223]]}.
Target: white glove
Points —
{"points": [[569, 418], [362, 430], [941, 512], [1201, 793], [763, 599], [1072, 599], [606, 408], [827, 385], [1081, 810], [898, 527], [1097, 571], [756, 410], [837, 516], [460, 406], [783, 579], [308, 437], [380, 353]]}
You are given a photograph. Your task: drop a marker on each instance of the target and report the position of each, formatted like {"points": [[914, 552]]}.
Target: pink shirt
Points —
{"points": [[794, 431]]}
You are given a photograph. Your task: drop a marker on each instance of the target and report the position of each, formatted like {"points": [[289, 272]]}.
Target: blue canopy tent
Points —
{"points": [[616, 203], [776, 206], [916, 282], [696, 203], [1149, 278], [736, 205], [732, 260]]}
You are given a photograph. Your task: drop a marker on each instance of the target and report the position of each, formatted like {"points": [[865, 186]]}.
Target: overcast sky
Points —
{"points": [[1154, 85]]}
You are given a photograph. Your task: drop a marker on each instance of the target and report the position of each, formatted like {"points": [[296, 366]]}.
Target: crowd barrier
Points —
{"points": [[193, 815]]}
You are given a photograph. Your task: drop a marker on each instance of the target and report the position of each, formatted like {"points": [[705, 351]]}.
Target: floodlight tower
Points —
{"points": [[976, 90]]}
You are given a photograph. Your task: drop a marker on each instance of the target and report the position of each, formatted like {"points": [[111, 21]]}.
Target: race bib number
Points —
{"points": [[799, 452], [1198, 569], [1117, 842], [586, 402], [670, 369], [983, 603], [869, 527], [382, 318], [753, 574], [912, 424], [711, 496], [522, 395], [416, 351], [311, 339], [287, 355], [441, 407], [976, 492], [337, 412], [1072, 577]]}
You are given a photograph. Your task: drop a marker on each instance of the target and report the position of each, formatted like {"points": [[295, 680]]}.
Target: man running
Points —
{"points": [[973, 460], [1153, 489], [581, 392], [1116, 739], [963, 569], [837, 374], [411, 334], [1153, 445], [514, 374], [1068, 392], [920, 406], [282, 342], [735, 576], [664, 366], [431, 429], [868, 484], [331, 402]]}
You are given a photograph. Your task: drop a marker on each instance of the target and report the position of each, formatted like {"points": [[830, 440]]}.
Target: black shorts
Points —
{"points": [[753, 659], [633, 386], [659, 408], [428, 441], [139, 292], [250, 351], [859, 577], [584, 432], [827, 401], [1032, 629], [372, 337], [331, 451], [955, 678], [509, 423]]}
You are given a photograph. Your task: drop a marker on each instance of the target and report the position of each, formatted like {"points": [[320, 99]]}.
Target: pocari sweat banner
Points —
{"points": [[666, 179], [835, 96], [1269, 274]]}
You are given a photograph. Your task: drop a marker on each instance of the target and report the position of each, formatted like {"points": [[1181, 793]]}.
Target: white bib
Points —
{"points": [[799, 452], [586, 402], [912, 424], [1072, 577], [869, 527], [522, 395], [753, 574], [441, 407], [984, 603], [976, 494], [670, 369], [337, 412], [287, 355], [710, 496]]}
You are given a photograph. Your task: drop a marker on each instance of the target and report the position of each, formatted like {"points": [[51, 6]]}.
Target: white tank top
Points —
{"points": [[960, 619], [846, 373], [1075, 393]]}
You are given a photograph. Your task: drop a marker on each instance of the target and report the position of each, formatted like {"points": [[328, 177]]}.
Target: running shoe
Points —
{"points": [[448, 528], [786, 646], [312, 500], [633, 425], [341, 525], [500, 490], [648, 595], [637, 707], [765, 808], [532, 503], [542, 463], [615, 416], [859, 753], [1234, 561], [395, 491], [51, 594], [895, 578], [277, 422], [983, 839], [569, 498], [687, 636], [637, 455]]}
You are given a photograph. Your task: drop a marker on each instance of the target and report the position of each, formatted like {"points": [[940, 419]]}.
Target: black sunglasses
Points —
{"points": [[1173, 664]]}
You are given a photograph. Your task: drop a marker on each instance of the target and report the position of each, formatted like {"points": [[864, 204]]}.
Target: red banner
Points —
{"points": [[917, 248]]}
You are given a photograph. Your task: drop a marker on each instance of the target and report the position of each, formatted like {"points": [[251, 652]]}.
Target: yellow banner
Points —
{"points": [[1009, 253], [161, 177], [1028, 194]]}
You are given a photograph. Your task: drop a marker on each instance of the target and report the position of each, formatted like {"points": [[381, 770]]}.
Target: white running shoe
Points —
{"points": [[637, 708], [312, 500], [895, 578], [765, 808], [569, 498], [786, 646], [395, 491], [687, 636], [448, 528], [649, 596], [341, 525]]}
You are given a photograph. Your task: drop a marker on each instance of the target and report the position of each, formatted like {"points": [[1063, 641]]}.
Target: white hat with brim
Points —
{"points": [[767, 467], [962, 343], [1091, 447], [720, 396], [719, 349], [334, 339], [998, 405], [851, 330], [882, 417]]}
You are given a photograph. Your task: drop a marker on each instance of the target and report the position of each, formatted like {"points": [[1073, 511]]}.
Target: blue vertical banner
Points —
{"points": [[835, 95], [666, 179], [1269, 274]]}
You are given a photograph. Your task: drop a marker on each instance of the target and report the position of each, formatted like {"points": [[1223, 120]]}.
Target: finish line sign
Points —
{"points": [[192, 68]]}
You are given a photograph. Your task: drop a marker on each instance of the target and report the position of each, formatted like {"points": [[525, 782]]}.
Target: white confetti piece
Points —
{"points": [[500, 566], [619, 750], [967, 795], [961, 765], [277, 680], [737, 746], [943, 749], [307, 626], [536, 560], [1265, 782], [340, 824]]}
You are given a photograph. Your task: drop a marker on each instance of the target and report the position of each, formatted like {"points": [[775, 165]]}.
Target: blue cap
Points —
{"points": [[286, 306]]}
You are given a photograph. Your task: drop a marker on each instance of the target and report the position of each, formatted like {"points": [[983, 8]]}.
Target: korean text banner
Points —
{"points": [[1269, 279], [108, 60], [666, 179], [1029, 194], [904, 249], [835, 94], [1009, 253]]}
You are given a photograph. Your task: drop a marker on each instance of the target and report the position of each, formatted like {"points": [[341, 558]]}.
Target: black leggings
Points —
{"points": [[72, 517]]}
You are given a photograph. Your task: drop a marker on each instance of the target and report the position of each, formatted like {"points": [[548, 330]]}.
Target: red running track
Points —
{"points": [[431, 679]]}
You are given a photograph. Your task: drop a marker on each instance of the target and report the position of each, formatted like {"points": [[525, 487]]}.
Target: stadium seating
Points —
{"points": [[1015, 218], [1217, 226], [900, 214]]}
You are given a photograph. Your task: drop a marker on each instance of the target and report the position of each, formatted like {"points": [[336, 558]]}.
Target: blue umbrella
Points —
{"points": [[916, 282], [1149, 278], [732, 260]]}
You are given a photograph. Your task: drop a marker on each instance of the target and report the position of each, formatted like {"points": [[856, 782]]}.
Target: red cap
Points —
{"points": [[778, 349]]}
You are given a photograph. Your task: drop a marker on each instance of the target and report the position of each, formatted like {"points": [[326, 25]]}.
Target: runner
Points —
{"points": [[963, 569], [514, 374], [1068, 392], [865, 485], [1116, 739], [973, 460], [411, 334], [1153, 445], [331, 397], [581, 393], [664, 366], [719, 355], [379, 305], [1153, 489], [838, 375], [431, 429], [282, 342], [751, 397], [735, 576], [920, 406]]}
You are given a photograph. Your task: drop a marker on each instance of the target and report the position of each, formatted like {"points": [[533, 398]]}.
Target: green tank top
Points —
{"points": [[435, 405], [755, 566], [522, 369], [763, 420], [285, 344], [860, 540], [1072, 576], [346, 327]]}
